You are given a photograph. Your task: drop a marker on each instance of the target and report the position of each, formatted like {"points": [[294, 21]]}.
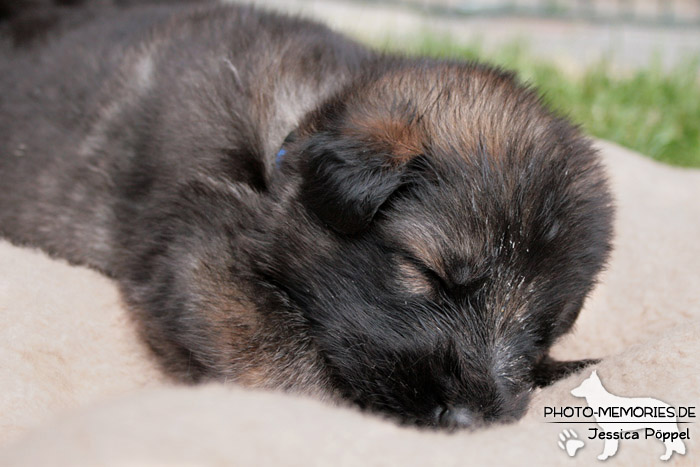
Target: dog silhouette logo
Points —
{"points": [[618, 416]]}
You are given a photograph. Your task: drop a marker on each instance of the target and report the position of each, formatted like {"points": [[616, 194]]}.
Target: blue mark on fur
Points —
{"points": [[280, 156]]}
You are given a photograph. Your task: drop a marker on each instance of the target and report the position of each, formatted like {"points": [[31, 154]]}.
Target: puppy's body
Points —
{"points": [[429, 233], [145, 117], [166, 82]]}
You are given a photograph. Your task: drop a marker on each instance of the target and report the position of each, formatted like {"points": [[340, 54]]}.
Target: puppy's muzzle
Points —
{"points": [[454, 418]]}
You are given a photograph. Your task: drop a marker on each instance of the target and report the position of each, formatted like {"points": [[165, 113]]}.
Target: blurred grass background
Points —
{"points": [[652, 110]]}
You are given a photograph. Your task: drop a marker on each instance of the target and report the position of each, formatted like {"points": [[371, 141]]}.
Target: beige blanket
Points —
{"points": [[78, 388]]}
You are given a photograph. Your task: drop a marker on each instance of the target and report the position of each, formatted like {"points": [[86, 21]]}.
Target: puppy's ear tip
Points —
{"points": [[547, 370]]}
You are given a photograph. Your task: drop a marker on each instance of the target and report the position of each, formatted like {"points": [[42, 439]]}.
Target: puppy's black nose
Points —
{"points": [[454, 417]]}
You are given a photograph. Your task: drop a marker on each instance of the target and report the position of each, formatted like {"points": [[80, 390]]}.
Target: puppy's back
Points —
{"points": [[100, 114]]}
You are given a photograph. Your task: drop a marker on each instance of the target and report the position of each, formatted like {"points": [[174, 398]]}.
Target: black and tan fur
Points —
{"points": [[431, 231]]}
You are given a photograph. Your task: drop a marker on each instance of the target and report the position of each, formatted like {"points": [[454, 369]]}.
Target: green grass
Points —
{"points": [[654, 112]]}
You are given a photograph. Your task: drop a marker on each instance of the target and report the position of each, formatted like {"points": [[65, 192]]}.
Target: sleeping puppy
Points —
{"points": [[285, 208]]}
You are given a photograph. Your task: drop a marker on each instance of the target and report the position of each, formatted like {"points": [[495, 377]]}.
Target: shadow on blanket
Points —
{"points": [[74, 380]]}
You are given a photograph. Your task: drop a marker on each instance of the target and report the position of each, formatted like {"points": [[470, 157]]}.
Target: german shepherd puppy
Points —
{"points": [[284, 208]]}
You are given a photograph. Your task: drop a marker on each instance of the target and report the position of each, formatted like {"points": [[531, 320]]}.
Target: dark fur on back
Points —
{"points": [[431, 231]]}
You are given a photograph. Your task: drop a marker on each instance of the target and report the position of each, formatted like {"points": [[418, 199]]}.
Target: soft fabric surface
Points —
{"points": [[78, 388]]}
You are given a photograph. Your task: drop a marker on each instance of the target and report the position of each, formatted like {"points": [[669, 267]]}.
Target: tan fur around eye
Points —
{"points": [[412, 280]]}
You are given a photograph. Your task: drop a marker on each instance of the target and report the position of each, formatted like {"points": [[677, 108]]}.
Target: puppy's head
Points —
{"points": [[445, 231]]}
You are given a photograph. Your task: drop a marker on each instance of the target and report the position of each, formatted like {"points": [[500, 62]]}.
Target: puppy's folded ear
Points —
{"points": [[547, 370], [347, 179]]}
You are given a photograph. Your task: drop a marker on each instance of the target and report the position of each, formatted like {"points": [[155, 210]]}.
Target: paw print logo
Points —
{"points": [[569, 442]]}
